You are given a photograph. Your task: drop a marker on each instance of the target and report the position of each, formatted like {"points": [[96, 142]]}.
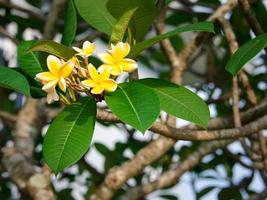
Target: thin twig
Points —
{"points": [[8, 116], [10, 5]]}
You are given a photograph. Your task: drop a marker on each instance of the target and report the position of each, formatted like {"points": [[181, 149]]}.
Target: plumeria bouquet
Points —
{"points": [[78, 75]]}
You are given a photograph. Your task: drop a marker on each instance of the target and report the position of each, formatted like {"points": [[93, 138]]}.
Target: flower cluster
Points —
{"points": [[79, 75]]}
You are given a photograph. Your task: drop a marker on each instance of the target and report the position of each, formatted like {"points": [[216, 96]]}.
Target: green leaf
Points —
{"points": [[14, 80], [139, 47], [179, 101], [245, 53], [104, 150], [134, 104], [54, 48], [230, 193], [142, 18], [70, 24], [70, 134], [168, 197], [37, 92], [29, 62], [204, 191], [121, 26], [96, 14]]}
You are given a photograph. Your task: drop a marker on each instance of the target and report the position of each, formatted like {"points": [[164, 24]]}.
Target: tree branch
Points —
{"points": [[17, 158], [214, 131], [186, 52], [171, 176], [251, 18], [6, 34], [57, 7], [10, 5]]}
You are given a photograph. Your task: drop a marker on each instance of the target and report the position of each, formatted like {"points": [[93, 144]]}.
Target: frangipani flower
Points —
{"points": [[114, 60], [99, 82], [75, 60], [58, 71], [51, 95], [87, 49]]}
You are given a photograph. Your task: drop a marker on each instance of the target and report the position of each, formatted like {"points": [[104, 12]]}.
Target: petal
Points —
{"points": [[128, 65], [92, 72], [52, 96], [120, 51], [67, 69], [89, 83], [48, 86], [116, 70], [75, 60], [125, 47], [78, 50], [49, 98], [88, 48], [45, 77], [98, 89], [109, 85], [105, 67], [54, 64], [106, 58], [62, 84], [104, 75]]}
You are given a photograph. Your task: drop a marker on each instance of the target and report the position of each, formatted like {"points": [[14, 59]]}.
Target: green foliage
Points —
{"points": [[139, 47], [259, 10], [13, 80], [179, 101], [240, 26], [30, 66], [205, 191], [70, 134], [135, 105], [54, 48], [168, 197], [112, 157], [245, 53], [230, 193], [121, 26], [29, 62], [96, 14], [70, 24], [142, 18]]}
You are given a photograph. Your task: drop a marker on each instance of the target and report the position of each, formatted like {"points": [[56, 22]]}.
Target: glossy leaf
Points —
{"points": [[37, 92], [70, 24], [134, 104], [70, 134], [96, 14], [139, 47], [30, 66], [121, 26], [245, 53], [179, 101], [142, 18], [54, 48], [29, 62], [14, 80]]}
